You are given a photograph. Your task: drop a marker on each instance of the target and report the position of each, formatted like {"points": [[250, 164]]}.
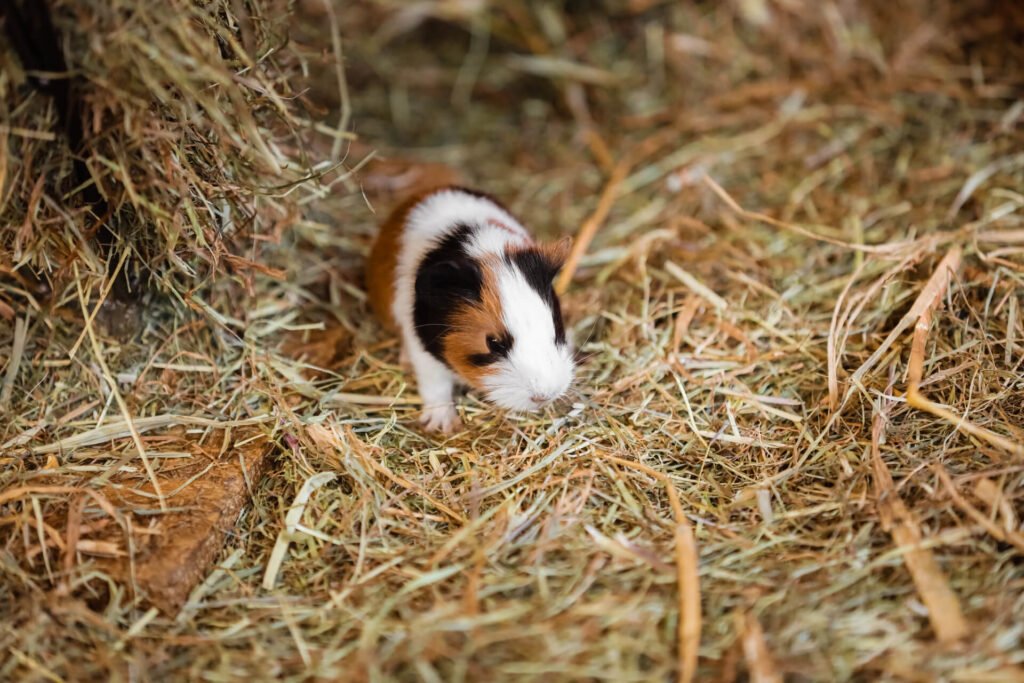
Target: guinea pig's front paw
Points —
{"points": [[441, 418]]}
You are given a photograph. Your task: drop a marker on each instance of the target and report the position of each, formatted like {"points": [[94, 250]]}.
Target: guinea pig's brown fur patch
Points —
{"points": [[471, 324], [380, 266]]}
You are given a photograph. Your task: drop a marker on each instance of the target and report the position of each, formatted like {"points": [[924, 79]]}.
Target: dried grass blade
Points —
{"points": [[932, 289], [121, 429], [1006, 536], [291, 521], [833, 349], [987, 491], [887, 249], [410, 486], [591, 225], [760, 663], [17, 349], [696, 286], [689, 590], [944, 611]]}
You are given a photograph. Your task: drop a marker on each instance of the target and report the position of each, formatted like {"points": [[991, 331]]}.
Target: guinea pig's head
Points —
{"points": [[509, 340]]}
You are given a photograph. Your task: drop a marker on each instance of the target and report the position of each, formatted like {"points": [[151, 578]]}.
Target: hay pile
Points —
{"points": [[802, 397], [161, 136]]}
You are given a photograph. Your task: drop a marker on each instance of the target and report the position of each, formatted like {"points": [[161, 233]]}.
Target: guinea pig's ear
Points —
{"points": [[540, 263], [557, 253], [458, 277]]}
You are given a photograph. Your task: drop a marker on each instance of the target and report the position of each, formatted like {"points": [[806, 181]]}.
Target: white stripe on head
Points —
{"points": [[537, 369]]}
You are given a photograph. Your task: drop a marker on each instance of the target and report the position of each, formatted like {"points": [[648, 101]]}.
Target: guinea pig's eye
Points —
{"points": [[496, 346]]}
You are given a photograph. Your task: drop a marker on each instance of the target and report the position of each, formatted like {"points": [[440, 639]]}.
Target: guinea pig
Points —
{"points": [[472, 296]]}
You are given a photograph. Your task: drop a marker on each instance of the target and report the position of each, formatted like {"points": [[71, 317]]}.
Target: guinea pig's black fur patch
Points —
{"points": [[447, 277]]}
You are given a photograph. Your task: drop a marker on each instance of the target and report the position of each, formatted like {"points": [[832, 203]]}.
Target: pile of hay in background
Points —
{"points": [[174, 132], [801, 316]]}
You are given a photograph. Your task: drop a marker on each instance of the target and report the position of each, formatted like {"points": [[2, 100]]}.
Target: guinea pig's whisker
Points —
{"points": [[590, 336]]}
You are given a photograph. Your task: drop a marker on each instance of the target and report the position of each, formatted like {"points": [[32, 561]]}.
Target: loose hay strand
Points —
{"points": [[590, 226], [290, 533], [759, 659], [944, 611], [1005, 535], [689, 591], [14, 361]]}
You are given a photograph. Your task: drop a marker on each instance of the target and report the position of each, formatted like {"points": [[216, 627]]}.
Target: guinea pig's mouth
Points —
{"points": [[525, 403], [531, 407], [539, 403], [531, 393]]}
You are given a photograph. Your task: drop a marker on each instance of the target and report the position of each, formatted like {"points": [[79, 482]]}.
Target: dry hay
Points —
{"points": [[172, 147], [801, 315]]}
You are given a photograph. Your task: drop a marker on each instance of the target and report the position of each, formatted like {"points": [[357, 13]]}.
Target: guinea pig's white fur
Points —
{"points": [[474, 304]]}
